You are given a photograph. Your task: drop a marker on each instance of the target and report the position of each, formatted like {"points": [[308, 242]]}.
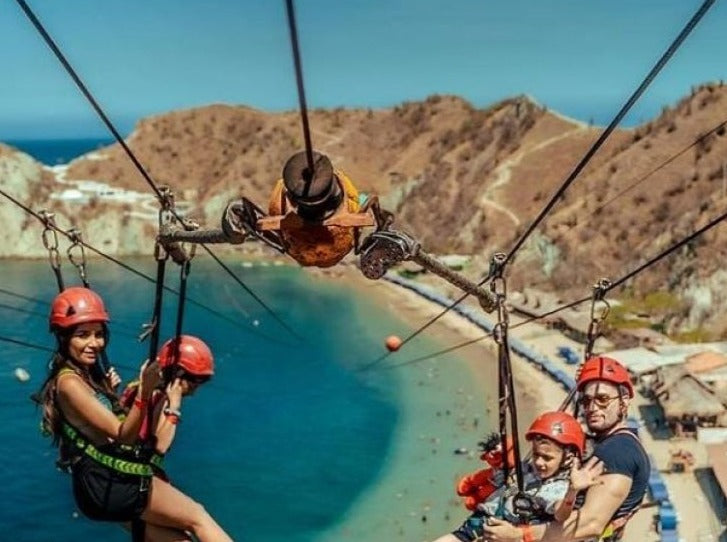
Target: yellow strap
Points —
{"points": [[115, 463]]}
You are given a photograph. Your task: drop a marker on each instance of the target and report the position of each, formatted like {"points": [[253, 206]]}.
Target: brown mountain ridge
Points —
{"points": [[464, 180]]}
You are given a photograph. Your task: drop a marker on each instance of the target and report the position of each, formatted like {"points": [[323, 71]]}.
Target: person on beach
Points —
{"points": [[553, 478], [112, 475], [604, 392]]}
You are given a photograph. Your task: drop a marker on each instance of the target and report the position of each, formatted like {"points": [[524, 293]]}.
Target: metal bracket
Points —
{"points": [[240, 220], [76, 239], [594, 326], [382, 250]]}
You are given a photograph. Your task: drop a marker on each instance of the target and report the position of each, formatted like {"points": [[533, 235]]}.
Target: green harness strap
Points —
{"points": [[115, 463]]}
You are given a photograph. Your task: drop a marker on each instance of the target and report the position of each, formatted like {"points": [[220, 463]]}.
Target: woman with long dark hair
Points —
{"points": [[113, 474]]}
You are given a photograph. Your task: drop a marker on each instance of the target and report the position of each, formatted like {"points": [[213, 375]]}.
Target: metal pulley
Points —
{"points": [[598, 317], [382, 250], [316, 194], [167, 218]]}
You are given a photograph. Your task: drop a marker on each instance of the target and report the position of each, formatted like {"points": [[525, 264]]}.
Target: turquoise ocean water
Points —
{"points": [[278, 446], [287, 442]]}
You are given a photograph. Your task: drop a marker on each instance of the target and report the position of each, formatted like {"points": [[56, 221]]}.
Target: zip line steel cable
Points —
{"points": [[620, 194], [26, 344], [102, 115], [133, 370], [612, 126], [636, 183], [579, 167], [140, 274], [655, 259], [44, 315], [23, 296], [482, 337], [292, 27], [129, 328], [293, 31]]}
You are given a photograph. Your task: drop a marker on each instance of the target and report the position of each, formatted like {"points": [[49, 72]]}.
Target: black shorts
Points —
{"points": [[104, 494]]}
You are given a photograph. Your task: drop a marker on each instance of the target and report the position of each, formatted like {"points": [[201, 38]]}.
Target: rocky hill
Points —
{"points": [[462, 179]]}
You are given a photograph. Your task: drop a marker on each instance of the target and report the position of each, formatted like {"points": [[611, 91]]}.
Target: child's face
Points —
{"points": [[547, 457]]}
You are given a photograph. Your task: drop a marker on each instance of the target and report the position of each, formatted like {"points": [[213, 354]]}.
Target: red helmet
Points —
{"points": [[195, 356], [605, 369], [560, 427], [75, 306]]}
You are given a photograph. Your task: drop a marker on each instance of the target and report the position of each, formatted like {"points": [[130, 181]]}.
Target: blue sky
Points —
{"points": [[583, 58]]}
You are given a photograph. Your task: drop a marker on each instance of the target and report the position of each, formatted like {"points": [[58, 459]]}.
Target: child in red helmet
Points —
{"points": [[185, 364], [552, 479], [604, 393], [113, 478]]}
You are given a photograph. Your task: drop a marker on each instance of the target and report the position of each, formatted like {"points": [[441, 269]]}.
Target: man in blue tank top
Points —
{"points": [[604, 393]]}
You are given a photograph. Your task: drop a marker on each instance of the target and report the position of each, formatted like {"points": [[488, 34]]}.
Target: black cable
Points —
{"points": [[25, 311], [22, 296], [420, 329], [27, 344], [84, 90], [82, 87], [711, 224], [668, 161], [512, 407], [254, 296], [584, 161], [667, 251], [156, 319], [44, 316], [612, 126], [486, 336], [183, 276], [299, 81], [139, 274]]}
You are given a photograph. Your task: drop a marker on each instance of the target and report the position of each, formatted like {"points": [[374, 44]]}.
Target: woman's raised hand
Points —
{"points": [[174, 393], [150, 376]]}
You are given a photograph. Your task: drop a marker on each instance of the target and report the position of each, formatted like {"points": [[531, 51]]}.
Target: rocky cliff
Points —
{"points": [[462, 179]]}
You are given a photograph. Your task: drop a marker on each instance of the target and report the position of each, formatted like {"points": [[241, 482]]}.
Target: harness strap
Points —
{"points": [[615, 529], [114, 463]]}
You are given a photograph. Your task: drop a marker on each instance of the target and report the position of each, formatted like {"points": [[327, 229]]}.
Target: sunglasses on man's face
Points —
{"points": [[601, 400]]}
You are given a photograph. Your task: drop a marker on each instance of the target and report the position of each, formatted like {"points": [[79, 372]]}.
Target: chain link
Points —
{"points": [[78, 261], [50, 242], [498, 286], [597, 317]]}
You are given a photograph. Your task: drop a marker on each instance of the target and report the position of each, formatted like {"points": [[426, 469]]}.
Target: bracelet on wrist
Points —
{"points": [[140, 403], [172, 412], [527, 533]]}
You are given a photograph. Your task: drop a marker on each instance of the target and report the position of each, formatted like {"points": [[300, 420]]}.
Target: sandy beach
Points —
{"points": [[414, 498]]}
